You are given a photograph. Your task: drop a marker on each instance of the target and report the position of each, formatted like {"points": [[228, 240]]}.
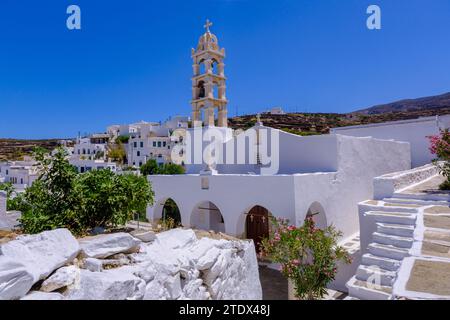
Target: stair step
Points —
{"points": [[375, 275], [350, 298], [414, 201], [366, 291], [392, 217], [429, 197], [396, 241], [395, 229], [387, 207], [388, 251], [382, 262]]}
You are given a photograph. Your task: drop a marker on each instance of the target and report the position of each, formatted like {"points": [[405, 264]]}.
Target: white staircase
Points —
{"points": [[391, 242]]}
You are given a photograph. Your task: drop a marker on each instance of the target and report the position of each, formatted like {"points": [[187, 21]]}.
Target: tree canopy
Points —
{"points": [[63, 198]]}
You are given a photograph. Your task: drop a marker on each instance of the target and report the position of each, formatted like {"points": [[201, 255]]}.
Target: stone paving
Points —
{"points": [[274, 285]]}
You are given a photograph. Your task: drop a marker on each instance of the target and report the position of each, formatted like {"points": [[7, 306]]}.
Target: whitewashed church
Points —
{"points": [[322, 175]]}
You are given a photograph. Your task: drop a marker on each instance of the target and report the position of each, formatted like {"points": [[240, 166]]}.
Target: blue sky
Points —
{"points": [[131, 60]]}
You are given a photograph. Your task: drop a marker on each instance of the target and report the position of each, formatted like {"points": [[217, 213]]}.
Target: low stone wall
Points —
{"points": [[385, 186], [175, 264]]}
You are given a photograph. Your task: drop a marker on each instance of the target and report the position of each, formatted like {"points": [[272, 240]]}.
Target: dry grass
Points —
{"points": [[6, 236]]}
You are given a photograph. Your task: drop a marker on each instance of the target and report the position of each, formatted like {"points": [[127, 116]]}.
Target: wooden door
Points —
{"points": [[257, 225]]}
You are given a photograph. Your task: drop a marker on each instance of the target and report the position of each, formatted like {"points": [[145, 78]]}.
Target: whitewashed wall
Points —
{"points": [[359, 160], [296, 154], [413, 131]]}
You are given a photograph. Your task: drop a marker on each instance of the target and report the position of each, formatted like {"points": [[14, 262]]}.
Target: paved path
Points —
{"points": [[274, 285]]}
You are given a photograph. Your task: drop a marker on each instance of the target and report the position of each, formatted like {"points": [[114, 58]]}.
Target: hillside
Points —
{"points": [[14, 149], [320, 123], [421, 104]]}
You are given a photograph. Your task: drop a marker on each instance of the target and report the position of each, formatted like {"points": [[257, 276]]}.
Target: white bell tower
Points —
{"points": [[208, 81]]}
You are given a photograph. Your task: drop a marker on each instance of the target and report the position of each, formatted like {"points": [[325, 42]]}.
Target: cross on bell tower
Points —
{"points": [[208, 81], [207, 25]]}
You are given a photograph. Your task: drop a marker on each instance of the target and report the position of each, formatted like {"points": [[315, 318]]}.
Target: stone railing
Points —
{"points": [[385, 186]]}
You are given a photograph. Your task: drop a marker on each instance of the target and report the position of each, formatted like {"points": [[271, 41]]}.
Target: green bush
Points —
{"points": [[151, 167], [122, 139], [108, 199], [308, 255], [62, 198], [171, 168], [8, 188]]}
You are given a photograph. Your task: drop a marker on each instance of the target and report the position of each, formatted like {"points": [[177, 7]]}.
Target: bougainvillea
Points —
{"points": [[440, 146], [308, 256]]}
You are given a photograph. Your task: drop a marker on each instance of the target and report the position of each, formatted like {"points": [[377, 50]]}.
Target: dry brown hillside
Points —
{"points": [[14, 149]]}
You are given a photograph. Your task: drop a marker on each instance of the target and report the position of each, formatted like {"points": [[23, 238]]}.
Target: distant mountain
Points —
{"points": [[421, 104]]}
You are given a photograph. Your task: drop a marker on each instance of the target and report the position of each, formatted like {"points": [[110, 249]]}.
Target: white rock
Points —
{"points": [[42, 253], [144, 236], [147, 272], [250, 284], [63, 277], [155, 291], [176, 238], [15, 280], [208, 260], [93, 264], [115, 284], [173, 286], [39, 295], [105, 245], [195, 290]]}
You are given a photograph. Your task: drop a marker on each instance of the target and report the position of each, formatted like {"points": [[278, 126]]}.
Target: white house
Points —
{"points": [[276, 111], [413, 131], [92, 147], [20, 173], [85, 165], [154, 140]]}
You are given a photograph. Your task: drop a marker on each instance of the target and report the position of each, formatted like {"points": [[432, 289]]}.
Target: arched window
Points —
{"points": [[317, 213], [201, 90]]}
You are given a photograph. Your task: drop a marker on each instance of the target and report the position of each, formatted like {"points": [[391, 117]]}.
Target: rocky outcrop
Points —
{"points": [[179, 266], [64, 277], [15, 280], [39, 295], [42, 253], [144, 236], [105, 245], [115, 284], [176, 265]]}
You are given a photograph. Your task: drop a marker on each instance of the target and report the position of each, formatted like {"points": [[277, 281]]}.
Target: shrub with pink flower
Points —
{"points": [[440, 146], [308, 256]]}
